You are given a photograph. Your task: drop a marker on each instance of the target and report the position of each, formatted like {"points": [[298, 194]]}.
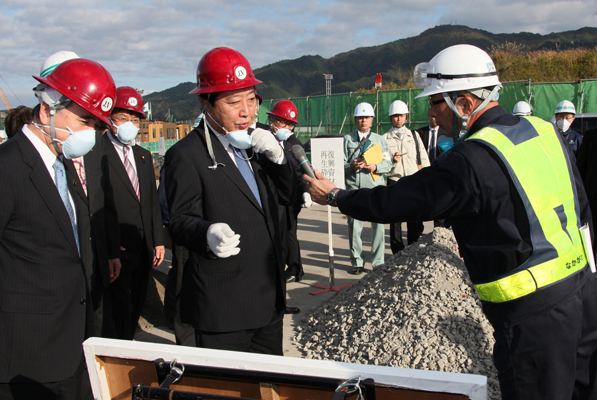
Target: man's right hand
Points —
{"points": [[222, 240], [319, 188], [357, 163]]}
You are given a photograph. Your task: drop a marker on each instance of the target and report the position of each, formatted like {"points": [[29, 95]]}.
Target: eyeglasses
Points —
{"points": [[122, 120], [567, 117], [433, 103], [283, 125]]}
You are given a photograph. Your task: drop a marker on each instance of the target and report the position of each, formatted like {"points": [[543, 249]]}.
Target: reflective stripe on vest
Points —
{"points": [[540, 170]]}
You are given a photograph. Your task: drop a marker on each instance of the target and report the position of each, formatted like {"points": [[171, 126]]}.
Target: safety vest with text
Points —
{"points": [[540, 169]]}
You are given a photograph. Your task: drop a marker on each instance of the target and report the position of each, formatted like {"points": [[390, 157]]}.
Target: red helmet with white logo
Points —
{"points": [[223, 69], [86, 83], [127, 98], [285, 109]]}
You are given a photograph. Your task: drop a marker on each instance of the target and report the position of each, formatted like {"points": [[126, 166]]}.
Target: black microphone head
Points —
{"points": [[298, 152]]}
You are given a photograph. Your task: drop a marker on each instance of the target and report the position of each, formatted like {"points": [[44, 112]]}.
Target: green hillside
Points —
{"points": [[356, 69]]}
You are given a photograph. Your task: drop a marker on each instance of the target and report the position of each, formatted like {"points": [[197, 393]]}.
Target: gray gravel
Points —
{"points": [[419, 310]]}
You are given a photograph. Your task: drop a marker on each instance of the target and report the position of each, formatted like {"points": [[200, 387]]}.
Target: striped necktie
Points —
{"points": [[78, 162], [246, 172], [130, 170], [62, 187]]}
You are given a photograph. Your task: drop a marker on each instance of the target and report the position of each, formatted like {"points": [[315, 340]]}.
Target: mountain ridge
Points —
{"points": [[356, 69]]}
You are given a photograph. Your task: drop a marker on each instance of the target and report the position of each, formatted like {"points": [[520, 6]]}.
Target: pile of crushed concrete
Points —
{"points": [[419, 310]]}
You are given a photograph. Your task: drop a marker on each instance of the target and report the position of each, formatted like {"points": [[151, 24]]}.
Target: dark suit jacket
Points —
{"points": [[587, 166], [140, 220], [103, 237], [243, 291], [44, 307], [424, 134]]}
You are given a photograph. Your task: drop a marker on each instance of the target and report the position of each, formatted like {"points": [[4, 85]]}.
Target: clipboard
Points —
{"points": [[373, 155]]}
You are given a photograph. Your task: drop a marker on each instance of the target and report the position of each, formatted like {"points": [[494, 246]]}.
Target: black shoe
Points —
{"points": [[358, 270], [292, 310]]}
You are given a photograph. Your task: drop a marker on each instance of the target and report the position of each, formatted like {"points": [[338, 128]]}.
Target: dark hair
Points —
{"points": [[210, 97], [16, 119]]}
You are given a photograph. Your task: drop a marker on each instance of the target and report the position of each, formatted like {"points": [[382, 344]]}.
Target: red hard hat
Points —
{"points": [[86, 83], [223, 69], [285, 109], [128, 98]]}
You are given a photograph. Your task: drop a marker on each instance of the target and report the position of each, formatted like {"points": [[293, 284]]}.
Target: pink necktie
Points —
{"points": [[81, 172], [130, 170]]}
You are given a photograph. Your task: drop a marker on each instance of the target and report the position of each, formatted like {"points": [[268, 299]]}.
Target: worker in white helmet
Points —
{"points": [[357, 175], [55, 60], [564, 115], [408, 156], [522, 108], [516, 205]]}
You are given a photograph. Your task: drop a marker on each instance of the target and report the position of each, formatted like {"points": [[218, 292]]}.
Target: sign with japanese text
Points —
{"points": [[327, 156]]}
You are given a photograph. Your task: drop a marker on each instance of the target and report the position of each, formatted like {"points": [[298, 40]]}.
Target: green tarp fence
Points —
{"points": [[320, 115]]}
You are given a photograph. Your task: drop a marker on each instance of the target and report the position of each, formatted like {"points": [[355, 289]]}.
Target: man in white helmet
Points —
{"points": [[357, 175], [564, 115], [408, 156], [516, 204], [522, 108]]}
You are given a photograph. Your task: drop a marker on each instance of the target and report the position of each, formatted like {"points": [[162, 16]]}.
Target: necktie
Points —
{"points": [[63, 190], [81, 172], [432, 144], [130, 171], [247, 173]]}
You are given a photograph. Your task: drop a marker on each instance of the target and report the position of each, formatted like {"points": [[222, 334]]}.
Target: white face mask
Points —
{"points": [[127, 132], [563, 125], [283, 134], [239, 139], [77, 144]]}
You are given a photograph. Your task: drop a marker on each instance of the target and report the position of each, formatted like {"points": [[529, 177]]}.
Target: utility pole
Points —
{"points": [[328, 93]]}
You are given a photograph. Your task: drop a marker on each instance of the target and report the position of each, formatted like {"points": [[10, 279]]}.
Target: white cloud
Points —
{"points": [[156, 44]]}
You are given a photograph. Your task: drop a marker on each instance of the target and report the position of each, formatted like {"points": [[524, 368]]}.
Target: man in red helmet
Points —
{"points": [[46, 260], [224, 188], [282, 120], [139, 216]]}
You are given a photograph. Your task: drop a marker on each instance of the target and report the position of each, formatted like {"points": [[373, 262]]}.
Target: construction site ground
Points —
{"points": [[314, 241]]}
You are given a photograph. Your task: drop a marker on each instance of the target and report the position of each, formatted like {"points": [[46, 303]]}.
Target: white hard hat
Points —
{"points": [[55, 60], [364, 110], [522, 108], [398, 107], [460, 67], [565, 106]]}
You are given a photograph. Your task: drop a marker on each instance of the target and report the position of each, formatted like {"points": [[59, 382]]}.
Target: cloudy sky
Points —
{"points": [[156, 44]]}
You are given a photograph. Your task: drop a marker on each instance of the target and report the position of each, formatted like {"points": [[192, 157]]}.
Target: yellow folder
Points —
{"points": [[373, 155]]}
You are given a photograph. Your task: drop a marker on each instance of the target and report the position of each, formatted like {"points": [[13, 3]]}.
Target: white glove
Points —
{"points": [[222, 241], [307, 201], [264, 142]]}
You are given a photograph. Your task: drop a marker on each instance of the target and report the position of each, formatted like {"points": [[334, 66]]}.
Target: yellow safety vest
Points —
{"points": [[540, 169]]}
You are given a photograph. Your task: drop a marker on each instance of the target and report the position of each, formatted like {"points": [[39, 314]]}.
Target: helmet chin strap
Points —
{"points": [[463, 131], [45, 98], [53, 129], [210, 149]]}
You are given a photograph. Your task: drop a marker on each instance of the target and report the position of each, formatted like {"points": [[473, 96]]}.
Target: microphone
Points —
{"points": [[299, 155]]}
